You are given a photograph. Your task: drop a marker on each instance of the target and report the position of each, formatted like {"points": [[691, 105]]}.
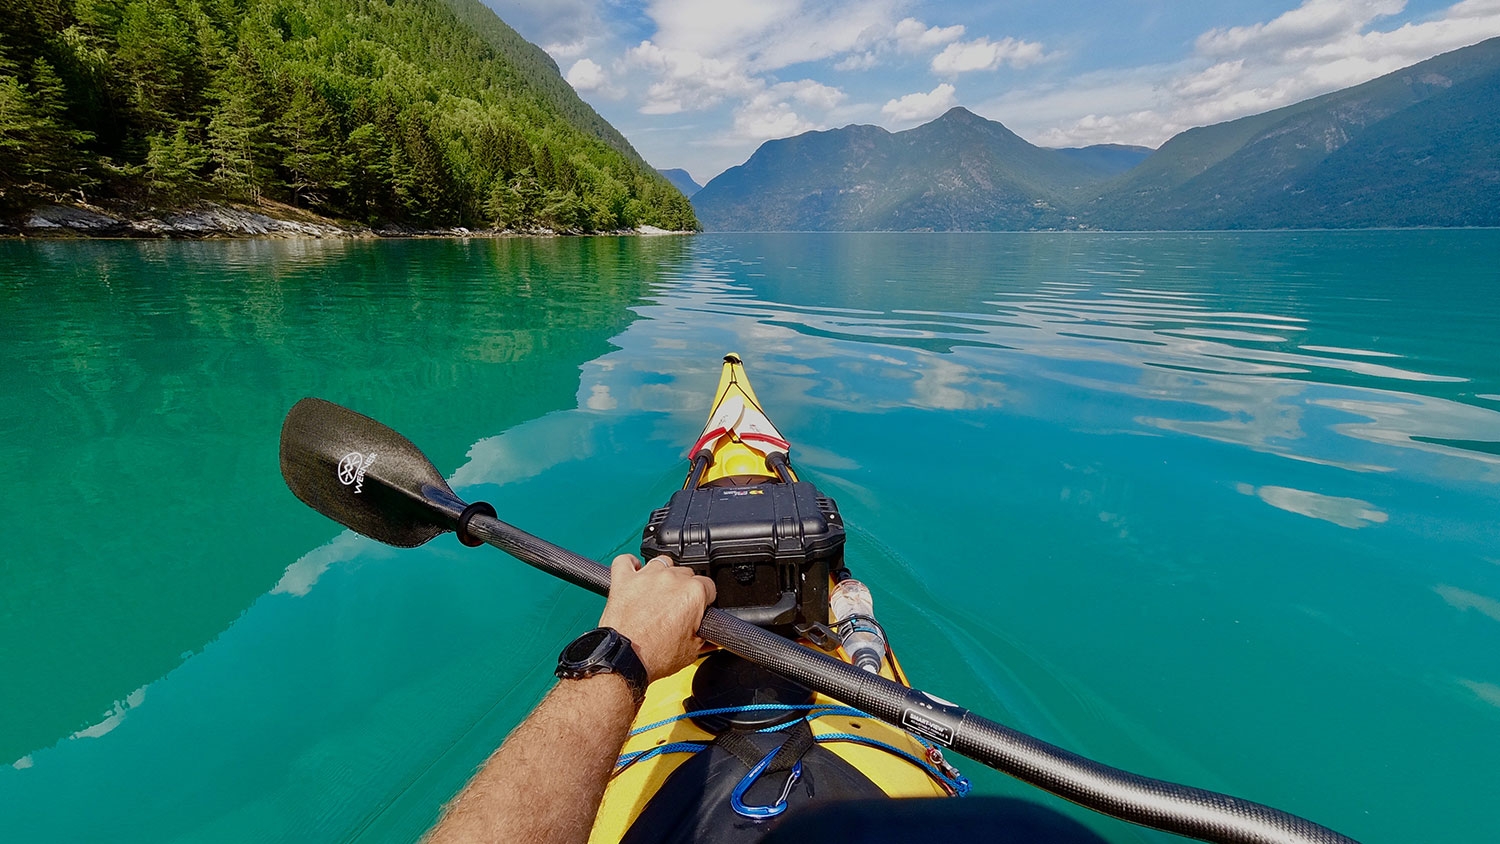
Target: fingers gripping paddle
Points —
{"points": [[371, 479]]}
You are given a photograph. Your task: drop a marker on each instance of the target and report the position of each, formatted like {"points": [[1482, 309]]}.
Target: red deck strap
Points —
{"points": [[707, 438]]}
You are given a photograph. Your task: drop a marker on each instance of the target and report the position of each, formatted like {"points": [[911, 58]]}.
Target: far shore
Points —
{"points": [[214, 221]]}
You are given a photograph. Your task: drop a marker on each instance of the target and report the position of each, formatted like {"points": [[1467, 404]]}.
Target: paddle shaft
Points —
{"points": [[1179, 809]]}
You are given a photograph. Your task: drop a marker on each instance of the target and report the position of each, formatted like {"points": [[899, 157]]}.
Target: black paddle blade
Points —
{"points": [[364, 475]]}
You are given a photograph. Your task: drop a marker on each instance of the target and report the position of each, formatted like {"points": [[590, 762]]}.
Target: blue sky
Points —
{"points": [[699, 84]]}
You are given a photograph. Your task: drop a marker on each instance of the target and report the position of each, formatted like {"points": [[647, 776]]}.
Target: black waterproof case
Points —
{"points": [[768, 548]]}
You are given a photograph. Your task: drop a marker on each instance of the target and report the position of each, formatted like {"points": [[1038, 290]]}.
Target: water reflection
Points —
{"points": [[1344, 512], [1067, 465], [143, 383], [1172, 352]]}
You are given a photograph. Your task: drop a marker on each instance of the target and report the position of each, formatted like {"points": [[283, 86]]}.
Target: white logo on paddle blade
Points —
{"points": [[352, 469]]}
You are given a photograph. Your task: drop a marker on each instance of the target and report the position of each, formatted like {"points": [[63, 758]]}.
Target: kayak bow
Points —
{"points": [[741, 451]]}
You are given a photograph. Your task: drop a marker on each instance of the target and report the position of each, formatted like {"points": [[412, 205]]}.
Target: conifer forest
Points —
{"points": [[422, 113]]}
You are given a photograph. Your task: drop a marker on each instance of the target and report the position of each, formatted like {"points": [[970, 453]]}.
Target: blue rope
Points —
{"points": [[960, 785], [832, 709], [628, 759]]}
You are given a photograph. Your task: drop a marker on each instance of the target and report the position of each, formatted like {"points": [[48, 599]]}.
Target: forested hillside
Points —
{"points": [[419, 112]]}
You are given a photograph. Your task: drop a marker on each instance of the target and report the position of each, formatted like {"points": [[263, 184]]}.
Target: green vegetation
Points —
{"points": [[417, 112]]}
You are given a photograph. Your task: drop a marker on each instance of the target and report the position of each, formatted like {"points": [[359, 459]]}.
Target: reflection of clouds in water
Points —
{"points": [[1257, 413], [1223, 334], [527, 451], [600, 399], [114, 717], [300, 577], [1487, 692], [1463, 600], [1395, 418], [1177, 350], [1340, 350], [818, 458], [943, 384], [522, 452], [1344, 512]]}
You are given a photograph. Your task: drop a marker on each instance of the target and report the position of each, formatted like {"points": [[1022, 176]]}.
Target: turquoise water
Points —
{"points": [[1215, 508]]}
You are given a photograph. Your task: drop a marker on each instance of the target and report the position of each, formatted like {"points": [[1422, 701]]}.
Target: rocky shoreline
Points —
{"points": [[221, 221]]}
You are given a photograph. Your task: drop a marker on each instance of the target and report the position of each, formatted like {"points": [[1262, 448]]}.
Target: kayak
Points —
{"points": [[744, 518], [755, 725]]}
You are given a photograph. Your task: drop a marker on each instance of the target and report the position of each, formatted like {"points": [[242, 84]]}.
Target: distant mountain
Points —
{"points": [[681, 180], [1418, 147], [1108, 158], [959, 172]]}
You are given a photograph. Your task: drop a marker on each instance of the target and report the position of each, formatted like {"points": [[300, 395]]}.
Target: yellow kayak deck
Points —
{"points": [[738, 439]]}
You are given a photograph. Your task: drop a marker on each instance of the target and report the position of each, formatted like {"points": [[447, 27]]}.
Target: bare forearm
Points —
{"points": [[545, 782]]}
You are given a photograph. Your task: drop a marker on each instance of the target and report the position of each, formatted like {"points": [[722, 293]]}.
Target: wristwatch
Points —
{"points": [[603, 651]]}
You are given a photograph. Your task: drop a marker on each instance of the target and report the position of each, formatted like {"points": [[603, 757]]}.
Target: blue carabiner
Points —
{"points": [[737, 797]]}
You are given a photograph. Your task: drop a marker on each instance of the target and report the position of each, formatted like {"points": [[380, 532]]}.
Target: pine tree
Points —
{"points": [[172, 100], [56, 153], [308, 132], [561, 211], [174, 166], [366, 169], [504, 206], [16, 122], [154, 48], [237, 130]]}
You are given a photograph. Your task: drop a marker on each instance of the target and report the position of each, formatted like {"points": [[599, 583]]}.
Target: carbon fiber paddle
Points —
{"points": [[372, 480]]}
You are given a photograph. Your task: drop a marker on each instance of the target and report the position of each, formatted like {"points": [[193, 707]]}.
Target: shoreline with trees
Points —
{"points": [[406, 116]]}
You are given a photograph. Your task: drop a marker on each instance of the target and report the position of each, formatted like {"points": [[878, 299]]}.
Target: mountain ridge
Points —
{"points": [[898, 180], [681, 179], [1431, 129]]}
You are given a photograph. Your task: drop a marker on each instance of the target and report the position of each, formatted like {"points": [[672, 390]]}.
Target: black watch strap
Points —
{"points": [[604, 650]]}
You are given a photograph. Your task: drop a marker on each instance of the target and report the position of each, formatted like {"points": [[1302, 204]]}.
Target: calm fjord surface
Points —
{"points": [[1214, 508]]}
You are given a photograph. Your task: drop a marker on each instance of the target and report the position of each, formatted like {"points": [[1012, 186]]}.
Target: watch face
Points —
{"points": [[585, 647]]}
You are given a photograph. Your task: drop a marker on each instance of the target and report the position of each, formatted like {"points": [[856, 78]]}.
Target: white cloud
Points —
{"points": [[766, 35], [984, 54], [567, 27], [762, 119], [1319, 47], [907, 36], [918, 107], [688, 80], [1210, 81], [1314, 22], [858, 61], [771, 113], [585, 75], [911, 35], [570, 50], [811, 93]]}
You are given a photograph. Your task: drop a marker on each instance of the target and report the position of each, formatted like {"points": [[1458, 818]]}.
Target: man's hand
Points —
{"points": [[657, 607]]}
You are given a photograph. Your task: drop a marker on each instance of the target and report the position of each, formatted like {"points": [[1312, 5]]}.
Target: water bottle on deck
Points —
{"points": [[853, 611]]}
